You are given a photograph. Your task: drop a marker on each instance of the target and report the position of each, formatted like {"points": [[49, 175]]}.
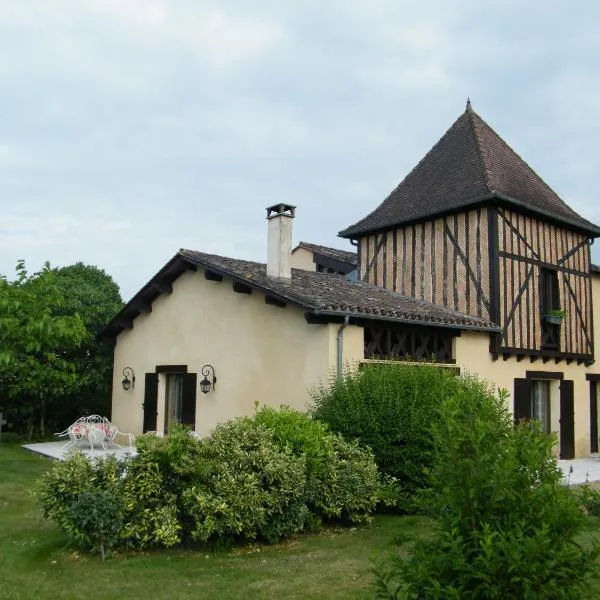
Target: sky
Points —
{"points": [[132, 128]]}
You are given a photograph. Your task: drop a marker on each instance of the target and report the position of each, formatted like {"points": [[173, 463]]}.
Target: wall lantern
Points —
{"points": [[128, 378], [206, 383]]}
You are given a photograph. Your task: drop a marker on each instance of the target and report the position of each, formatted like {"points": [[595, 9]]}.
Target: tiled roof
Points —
{"points": [[341, 255], [595, 269], [470, 164], [324, 294]]}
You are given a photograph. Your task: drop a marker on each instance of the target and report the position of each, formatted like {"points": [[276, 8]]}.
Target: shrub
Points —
{"points": [[390, 408], [507, 526], [264, 477], [251, 487], [589, 500], [60, 487], [96, 520], [341, 477]]}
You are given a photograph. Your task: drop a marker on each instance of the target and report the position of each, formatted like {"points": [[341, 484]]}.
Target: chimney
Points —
{"points": [[279, 244]]}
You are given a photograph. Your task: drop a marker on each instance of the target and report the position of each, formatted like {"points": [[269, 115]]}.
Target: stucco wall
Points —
{"points": [[472, 354], [260, 352], [303, 259]]}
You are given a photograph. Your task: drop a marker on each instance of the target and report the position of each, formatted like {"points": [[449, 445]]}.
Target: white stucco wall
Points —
{"points": [[303, 259], [260, 352]]}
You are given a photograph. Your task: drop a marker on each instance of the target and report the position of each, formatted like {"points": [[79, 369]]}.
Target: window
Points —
{"points": [[174, 398], [540, 403], [549, 302], [549, 291]]}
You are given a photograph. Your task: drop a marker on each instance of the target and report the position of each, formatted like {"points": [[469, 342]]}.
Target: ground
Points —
{"points": [[36, 561]]}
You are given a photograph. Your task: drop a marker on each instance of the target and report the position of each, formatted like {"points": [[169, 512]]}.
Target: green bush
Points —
{"points": [[391, 409], [97, 520], [341, 477], [589, 500], [60, 487], [251, 488], [507, 527], [264, 477]]}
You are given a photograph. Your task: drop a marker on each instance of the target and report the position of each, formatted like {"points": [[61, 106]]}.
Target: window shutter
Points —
{"points": [[567, 420], [150, 401], [522, 399], [593, 417], [188, 400]]}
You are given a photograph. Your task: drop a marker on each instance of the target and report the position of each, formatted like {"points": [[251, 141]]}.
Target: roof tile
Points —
{"points": [[471, 163]]}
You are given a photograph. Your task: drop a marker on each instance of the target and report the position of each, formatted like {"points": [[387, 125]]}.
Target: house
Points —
{"points": [[313, 257], [471, 261]]}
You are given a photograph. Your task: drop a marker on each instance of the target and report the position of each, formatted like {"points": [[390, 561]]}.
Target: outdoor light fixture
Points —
{"points": [[206, 383], [128, 379]]}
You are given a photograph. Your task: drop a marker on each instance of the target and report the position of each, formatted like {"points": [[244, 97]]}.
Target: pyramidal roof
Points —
{"points": [[471, 164]]}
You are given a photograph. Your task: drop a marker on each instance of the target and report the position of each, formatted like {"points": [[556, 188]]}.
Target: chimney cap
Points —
{"points": [[280, 209]]}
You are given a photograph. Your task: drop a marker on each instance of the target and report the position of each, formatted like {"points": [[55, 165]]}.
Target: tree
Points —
{"points": [[92, 294], [507, 527], [35, 338]]}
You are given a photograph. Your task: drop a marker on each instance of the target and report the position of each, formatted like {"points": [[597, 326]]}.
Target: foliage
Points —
{"points": [[35, 373], [391, 409], [254, 478], [97, 520], [507, 527], [589, 500], [251, 487], [37, 563], [93, 295], [60, 487], [147, 515], [341, 477]]}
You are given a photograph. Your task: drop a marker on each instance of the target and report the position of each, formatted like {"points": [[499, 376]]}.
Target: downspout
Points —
{"points": [[340, 346]]}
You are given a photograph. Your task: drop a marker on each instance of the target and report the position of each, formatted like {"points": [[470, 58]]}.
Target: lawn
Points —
{"points": [[36, 561]]}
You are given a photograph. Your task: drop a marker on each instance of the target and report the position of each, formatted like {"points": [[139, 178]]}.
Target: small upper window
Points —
{"points": [[549, 291]]}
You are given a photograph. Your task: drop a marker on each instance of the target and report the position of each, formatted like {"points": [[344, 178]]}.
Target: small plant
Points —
{"points": [[555, 316], [97, 520]]}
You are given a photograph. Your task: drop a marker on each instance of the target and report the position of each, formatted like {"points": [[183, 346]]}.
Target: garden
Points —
{"points": [[402, 482]]}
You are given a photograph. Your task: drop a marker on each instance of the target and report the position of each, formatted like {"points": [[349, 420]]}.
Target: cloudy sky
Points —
{"points": [[131, 128]]}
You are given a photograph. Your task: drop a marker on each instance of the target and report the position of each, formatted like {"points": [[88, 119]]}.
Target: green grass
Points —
{"points": [[37, 562]]}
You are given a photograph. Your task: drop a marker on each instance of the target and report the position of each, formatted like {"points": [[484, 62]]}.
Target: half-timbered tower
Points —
{"points": [[473, 228]]}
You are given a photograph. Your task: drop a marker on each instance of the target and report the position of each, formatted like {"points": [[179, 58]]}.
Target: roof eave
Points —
{"points": [[592, 229], [368, 317]]}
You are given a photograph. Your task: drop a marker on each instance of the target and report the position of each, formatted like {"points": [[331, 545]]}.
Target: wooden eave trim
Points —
{"points": [[171, 369], [328, 316], [246, 282], [544, 375], [164, 278], [495, 198]]}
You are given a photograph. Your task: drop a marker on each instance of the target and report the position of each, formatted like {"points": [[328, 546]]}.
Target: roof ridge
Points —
{"points": [[478, 144]]}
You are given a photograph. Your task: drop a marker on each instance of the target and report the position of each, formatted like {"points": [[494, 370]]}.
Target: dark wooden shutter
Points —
{"points": [[522, 399], [188, 400], [593, 417], [150, 401], [567, 420]]}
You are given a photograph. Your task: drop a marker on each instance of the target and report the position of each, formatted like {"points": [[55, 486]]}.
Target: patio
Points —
{"points": [[576, 471], [56, 450]]}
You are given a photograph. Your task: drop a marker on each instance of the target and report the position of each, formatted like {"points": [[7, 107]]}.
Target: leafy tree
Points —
{"points": [[92, 294], [35, 337], [507, 528]]}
